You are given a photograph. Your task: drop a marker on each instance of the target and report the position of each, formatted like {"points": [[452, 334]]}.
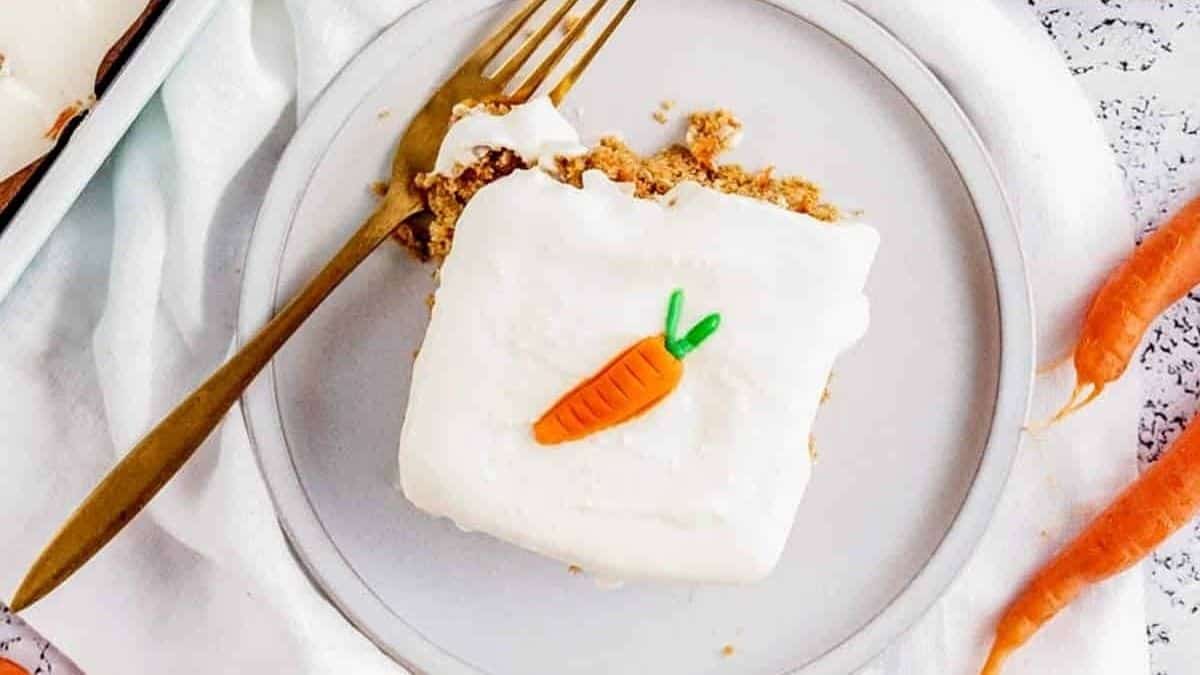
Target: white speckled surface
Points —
{"points": [[22, 645], [1138, 60]]}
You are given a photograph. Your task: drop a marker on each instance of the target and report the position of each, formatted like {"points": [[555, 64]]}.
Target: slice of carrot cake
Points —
{"points": [[626, 353]]}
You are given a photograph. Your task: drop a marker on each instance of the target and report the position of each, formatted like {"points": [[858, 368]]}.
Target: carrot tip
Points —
{"points": [[1077, 402], [996, 660]]}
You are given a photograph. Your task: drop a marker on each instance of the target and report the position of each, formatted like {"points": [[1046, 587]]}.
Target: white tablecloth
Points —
{"points": [[133, 299]]}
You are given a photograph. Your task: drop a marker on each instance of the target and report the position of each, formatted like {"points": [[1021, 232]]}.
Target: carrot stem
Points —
{"points": [[681, 347], [698, 334], [674, 309]]}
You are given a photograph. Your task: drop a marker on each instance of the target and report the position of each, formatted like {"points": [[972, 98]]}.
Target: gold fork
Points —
{"points": [[160, 454]]}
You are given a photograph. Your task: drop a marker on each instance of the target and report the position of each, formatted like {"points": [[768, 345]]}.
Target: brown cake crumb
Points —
{"points": [[575, 569], [445, 197], [383, 114], [812, 449], [379, 188], [659, 173], [727, 651], [709, 134], [664, 107]]}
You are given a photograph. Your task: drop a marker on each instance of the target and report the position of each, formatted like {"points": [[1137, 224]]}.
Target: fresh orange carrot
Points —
{"points": [[1164, 268], [9, 668], [1162, 500], [629, 385]]}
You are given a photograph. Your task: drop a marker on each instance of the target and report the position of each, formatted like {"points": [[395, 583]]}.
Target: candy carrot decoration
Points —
{"points": [[1164, 268], [632, 383], [1160, 502]]}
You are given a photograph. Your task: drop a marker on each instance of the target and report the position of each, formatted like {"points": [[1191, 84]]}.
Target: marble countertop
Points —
{"points": [[1139, 62]]}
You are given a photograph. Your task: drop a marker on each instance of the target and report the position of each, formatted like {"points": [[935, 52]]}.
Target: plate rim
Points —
{"points": [[902, 68]]}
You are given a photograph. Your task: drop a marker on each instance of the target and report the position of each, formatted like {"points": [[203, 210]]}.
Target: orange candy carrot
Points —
{"points": [[1164, 268], [629, 385], [1162, 500]]}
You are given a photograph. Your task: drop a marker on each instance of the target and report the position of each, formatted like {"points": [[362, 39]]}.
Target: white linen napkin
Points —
{"points": [[133, 299]]}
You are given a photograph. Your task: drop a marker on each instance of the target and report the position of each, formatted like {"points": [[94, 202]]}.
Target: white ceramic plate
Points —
{"points": [[915, 444]]}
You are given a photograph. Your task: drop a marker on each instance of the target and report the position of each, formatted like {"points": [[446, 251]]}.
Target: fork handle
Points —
{"points": [[130, 485]]}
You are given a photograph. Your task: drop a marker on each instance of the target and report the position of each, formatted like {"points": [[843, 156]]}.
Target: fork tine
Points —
{"points": [[564, 85], [496, 41], [540, 74], [518, 59]]}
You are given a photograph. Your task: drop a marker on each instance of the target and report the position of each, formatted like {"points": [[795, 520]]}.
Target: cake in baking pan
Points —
{"points": [[54, 56]]}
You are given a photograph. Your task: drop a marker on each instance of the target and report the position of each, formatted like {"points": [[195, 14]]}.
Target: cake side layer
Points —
{"points": [[471, 158]]}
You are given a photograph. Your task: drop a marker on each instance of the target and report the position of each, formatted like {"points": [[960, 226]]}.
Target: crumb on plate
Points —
{"points": [[710, 133], [379, 188], [727, 650]]}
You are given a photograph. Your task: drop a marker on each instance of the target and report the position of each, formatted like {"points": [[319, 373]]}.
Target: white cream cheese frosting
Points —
{"points": [[535, 131], [544, 285], [49, 53]]}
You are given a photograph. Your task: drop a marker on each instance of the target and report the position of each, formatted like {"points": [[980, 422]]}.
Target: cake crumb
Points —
{"points": [[383, 114], [660, 117], [1044, 534], [727, 651], [575, 569], [711, 133], [666, 104], [379, 188], [445, 197], [570, 22], [651, 176], [813, 455]]}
